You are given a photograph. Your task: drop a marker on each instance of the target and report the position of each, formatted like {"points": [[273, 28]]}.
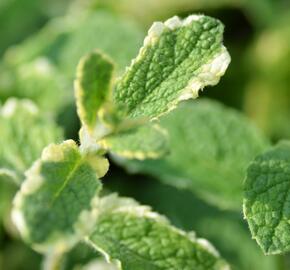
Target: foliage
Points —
{"points": [[121, 176]]}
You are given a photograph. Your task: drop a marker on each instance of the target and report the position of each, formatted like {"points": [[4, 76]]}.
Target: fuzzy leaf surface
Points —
{"points": [[53, 206], [137, 238], [267, 199], [178, 58], [210, 148]]}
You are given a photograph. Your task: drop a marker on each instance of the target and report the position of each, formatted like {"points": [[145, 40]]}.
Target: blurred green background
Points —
{"points": [[40, 45]]}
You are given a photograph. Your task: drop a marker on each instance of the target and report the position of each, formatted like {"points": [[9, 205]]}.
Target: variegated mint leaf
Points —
{"points": [[179, 58], [133, 237], [267, 199], [92, 87], [53, 208], [148, 141], [24, 133]]}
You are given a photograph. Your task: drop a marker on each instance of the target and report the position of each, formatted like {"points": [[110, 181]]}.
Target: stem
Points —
{"points": [[53, 261]]}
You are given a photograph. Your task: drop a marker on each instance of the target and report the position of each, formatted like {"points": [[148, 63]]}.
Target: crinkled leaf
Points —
{"points": [[53, 206], [233, 241], [92, 86], [210, 147], [136, 238], [179, 57], [24, 133], [148, 141], [267, 199]]}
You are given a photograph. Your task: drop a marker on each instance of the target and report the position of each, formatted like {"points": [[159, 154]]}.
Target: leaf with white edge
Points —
{"points": [[53, 208], [92, 86], [267, 199], [148, 141], [210, 148], [99, 264], [24, 133], [134, 237], [179, 58]]}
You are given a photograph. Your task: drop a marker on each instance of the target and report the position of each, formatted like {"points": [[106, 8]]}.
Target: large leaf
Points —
{"points": [[233, 241], [267, 199], [210, 147], [137, 238], [24, 133], [53, 208], [179, 57]]}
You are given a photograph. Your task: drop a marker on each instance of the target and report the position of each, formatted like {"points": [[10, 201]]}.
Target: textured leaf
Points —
{"points": [[188, 212], [53, 207], [266, 199], [148, 141], [24, 133], [179, 57], [210, 147], [137, 238], [92, 86]]}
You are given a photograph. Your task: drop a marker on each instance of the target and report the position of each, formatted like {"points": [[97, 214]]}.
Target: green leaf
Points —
{"points": [[148, 141], [179, 57], [53, 208], [92, 86], [210, 147], [24, 133], [41, 81], [266, 199], [116, 37], [233, 241], [137, 238]]}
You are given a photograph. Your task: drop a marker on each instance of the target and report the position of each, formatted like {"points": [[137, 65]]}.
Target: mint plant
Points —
{"points": [[60, 202]]}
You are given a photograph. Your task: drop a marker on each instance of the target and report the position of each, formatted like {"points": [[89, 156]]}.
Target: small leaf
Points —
{"points": [[92, 86], [210, 147], [267, 199], [24, 133], [53, 207], [148, 141], [136, 238], [179, 57]]}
